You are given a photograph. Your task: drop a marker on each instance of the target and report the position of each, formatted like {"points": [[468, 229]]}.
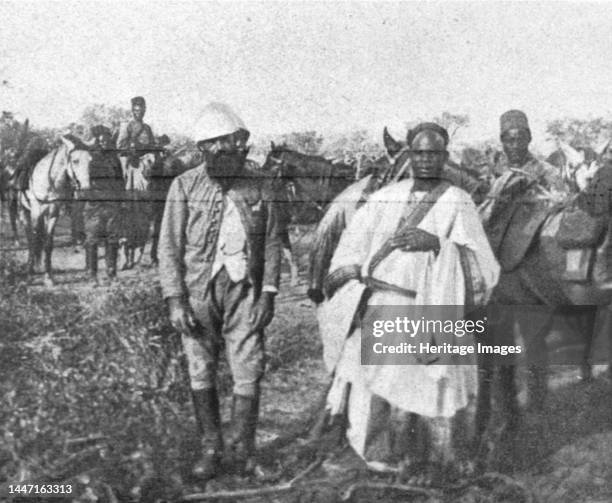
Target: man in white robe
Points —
{"points": [[441, 254]]}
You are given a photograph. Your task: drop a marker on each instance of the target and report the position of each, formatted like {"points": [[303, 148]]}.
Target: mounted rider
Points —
{"points": [[135, 135], [102, 209], [219, 257]]}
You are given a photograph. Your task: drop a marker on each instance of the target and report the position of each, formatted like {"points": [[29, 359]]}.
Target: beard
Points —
{"points": [[225, 166]]}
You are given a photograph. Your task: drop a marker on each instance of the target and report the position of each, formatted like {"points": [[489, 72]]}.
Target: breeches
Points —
{"points": [[102, 223], [223, 320]]}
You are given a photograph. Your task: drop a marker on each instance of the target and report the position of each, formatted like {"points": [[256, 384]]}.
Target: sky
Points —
{"points": [[297, 66]]}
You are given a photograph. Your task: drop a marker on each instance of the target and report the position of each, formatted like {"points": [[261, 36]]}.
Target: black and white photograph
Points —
{"points": [[305, 251]]}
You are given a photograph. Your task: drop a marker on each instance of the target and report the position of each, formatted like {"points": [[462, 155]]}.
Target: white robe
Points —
{"points": [[433, 390]]}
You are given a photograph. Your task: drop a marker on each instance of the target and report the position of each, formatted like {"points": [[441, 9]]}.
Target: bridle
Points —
{"points": [[291, 185], [74, 181]]}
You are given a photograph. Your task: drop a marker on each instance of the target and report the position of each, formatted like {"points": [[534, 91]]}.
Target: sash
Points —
{"points": [[416, 212]]}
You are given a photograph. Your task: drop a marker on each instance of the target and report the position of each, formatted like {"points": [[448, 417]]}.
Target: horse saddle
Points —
{"points": [[512, 235]]}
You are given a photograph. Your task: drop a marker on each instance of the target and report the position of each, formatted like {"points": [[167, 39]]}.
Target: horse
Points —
{"points": [[529, 294], [17, 162], [304, 185], [51, 182], [372, 176]]}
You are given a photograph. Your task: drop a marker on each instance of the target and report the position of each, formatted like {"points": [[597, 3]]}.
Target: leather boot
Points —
{"points": [[112, 252], [245, 412], [206, 406]]}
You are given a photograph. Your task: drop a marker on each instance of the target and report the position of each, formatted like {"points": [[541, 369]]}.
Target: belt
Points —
{"points": [[377, 284]]}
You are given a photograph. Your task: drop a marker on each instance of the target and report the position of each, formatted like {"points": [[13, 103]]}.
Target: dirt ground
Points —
{"points": [[564, 452]]}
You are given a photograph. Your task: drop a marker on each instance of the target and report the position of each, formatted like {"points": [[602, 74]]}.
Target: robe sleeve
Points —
{"points": [[327, 236], [480, 267], [353, 247]]}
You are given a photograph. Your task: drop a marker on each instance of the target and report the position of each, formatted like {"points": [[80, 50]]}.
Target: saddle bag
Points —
{"points": [[578, 229]]}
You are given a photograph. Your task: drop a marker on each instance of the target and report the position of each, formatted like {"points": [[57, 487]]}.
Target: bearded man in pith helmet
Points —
{"points": [[219, 254]]}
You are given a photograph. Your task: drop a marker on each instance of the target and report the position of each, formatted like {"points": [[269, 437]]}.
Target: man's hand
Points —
{"points": [[181, 315], [262, 312], [315, 295], [416, 239]]}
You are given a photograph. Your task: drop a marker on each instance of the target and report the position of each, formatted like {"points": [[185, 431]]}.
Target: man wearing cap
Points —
{"points": [[219, 254], [102, 203], [525, 186], [135, 134], [417, 242]]}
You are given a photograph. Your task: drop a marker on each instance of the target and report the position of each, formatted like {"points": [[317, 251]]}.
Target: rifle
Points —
{"points": [[131, 151]]}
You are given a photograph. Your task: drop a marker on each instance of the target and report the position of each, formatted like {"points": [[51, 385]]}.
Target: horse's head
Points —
{"points": [[596, 195], [398, 157], [577, 165], [77, 160], [278, 161]]}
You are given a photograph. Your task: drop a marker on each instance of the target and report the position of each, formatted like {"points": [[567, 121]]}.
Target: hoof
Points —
{"points": [[207, 466]]}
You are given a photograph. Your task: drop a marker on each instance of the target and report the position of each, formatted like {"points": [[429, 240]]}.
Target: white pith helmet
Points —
{"points": [[217, 119]]}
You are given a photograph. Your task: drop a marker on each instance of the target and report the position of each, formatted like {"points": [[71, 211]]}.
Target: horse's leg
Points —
{"points": [[129, 255], [29, 230], [587, 317], [49, 228], [608, 328], [498, 411], [288, 254], [158, 213], [13, 211], [535, 328], [486, 373]]}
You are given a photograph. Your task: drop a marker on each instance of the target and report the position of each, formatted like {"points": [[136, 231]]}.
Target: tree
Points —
{"points": [[449, 121], [108, 115], [580, 132], [452, 122], [306, 142], [352, 147]]}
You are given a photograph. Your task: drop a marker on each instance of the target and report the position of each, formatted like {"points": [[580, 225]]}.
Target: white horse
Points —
{"points": [[51, 183]]}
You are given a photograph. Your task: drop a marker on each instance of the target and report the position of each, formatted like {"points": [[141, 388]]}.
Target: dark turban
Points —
{"points": [[513, 119], [139, 100], [427, 126]]}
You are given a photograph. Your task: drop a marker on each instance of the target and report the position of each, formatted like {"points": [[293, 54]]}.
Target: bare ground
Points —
{"points": [[563, 454]]}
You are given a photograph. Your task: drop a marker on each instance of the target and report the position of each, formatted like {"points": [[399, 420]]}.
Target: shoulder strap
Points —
{"points": [[417, 210], [415, 215]]}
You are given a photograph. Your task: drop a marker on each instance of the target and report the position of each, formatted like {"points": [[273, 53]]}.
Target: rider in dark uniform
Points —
{"points": [[135, 134], [103, 203]]}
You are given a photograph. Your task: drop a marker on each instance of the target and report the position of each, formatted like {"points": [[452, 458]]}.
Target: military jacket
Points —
{"points": [[191, 224]]}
